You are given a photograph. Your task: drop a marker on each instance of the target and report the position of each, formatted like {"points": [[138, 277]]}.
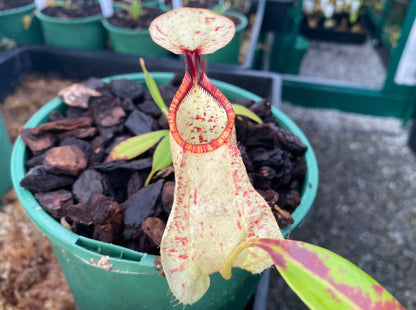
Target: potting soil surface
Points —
{"points": [[123, 19], [77, 10]]}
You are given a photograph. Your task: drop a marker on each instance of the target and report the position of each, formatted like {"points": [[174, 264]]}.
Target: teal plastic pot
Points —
{"points": [[80, 33], [134, 42], [5, 152], [231, 52], [133, 282], [11, 25]]}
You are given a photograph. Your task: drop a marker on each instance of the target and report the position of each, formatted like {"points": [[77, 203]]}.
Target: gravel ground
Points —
{"points": [[364, 209], [347, 62], [365, 206]]}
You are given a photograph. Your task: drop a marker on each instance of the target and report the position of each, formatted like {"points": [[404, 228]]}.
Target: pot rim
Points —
{"points": [[68, 21], [18, 10], [127, 31], [120, 30]]}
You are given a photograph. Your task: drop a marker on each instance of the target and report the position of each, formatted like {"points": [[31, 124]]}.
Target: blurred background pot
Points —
{"points": [[80, 32], [132, 41], [12, 25], [230, 53]]}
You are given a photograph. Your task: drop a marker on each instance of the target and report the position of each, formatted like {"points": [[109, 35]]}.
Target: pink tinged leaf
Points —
{"points": [[324, 280], [191, 29]]}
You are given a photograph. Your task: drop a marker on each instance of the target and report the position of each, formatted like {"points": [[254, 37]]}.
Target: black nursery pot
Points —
{"points": [[12, 26], [60, 62]]}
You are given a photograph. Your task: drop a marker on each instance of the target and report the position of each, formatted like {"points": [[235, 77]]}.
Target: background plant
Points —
{"points": [[327, 8], [134, 9]]}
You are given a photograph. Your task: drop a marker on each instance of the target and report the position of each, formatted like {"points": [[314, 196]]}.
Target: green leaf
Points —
{"points": [[324, 280], [243, 111], [154, 90], [136, 9], [27, 21], [162, 158], [135, 146]]}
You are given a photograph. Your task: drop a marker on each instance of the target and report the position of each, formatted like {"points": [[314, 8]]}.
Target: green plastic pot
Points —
{"points": [[133, 282], [5, 152], [230, 53], [11, 25], [134, 42], [80, 33]]}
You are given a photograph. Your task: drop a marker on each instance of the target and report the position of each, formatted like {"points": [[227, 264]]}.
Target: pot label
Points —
{"points": [[106, 8], [40, 4]]}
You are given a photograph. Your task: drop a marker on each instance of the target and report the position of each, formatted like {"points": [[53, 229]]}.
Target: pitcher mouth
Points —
{"points": [[200, 117]]}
